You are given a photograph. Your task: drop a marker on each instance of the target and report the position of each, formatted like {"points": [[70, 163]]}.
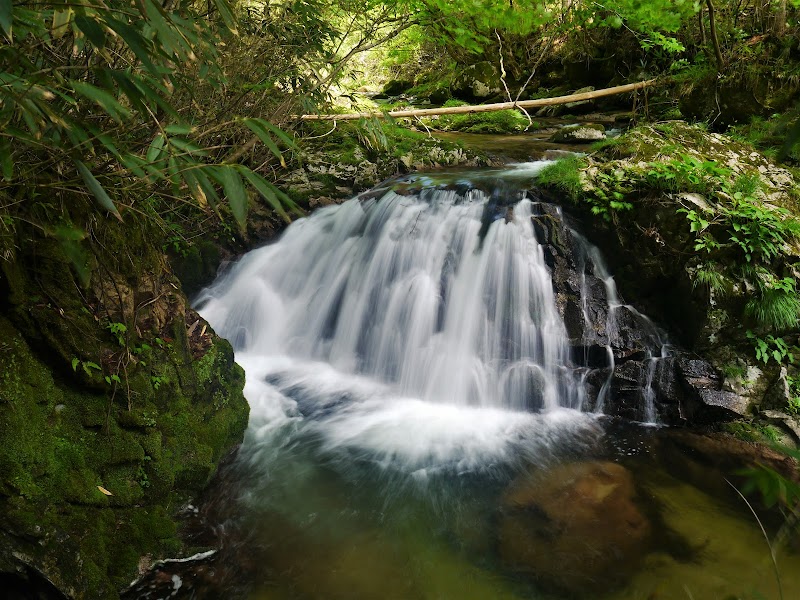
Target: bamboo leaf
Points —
{"points": [[61, 20], [267, 191], [256, 127], [156, 146], [6, 159], [128, 86], [91, 29], [97, 190], [135, 42], [279, 133], [178, 129], [209, 192], [105, 100], [6, 17], [226, 12], [194, 187], [188, 147], [231, 181]]}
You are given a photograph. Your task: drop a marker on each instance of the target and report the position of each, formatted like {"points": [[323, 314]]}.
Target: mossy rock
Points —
{"points": [[395, 87], [477, 82], [637, 196], [104, 434]]}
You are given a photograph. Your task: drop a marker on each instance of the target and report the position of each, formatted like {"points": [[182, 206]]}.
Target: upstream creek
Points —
{"points": [[433, 416]]}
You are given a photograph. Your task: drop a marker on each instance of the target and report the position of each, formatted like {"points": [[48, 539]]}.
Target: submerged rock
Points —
{"points": [[574, 525]]}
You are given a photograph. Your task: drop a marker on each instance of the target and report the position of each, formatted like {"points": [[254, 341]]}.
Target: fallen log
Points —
{"points": [[476, 108]]}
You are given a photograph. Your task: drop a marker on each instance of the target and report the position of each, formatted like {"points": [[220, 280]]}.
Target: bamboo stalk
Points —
{"points": [[455, 110]]}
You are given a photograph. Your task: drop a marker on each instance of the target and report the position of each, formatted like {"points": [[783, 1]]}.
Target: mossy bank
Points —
{"points": [[703, 234], [117, 402]]}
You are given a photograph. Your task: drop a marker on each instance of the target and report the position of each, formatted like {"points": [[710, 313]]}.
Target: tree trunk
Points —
{"points": [[455, 110], [712, 23], [778, 19]]}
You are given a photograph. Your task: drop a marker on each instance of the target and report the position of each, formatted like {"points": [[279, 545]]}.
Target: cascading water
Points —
{"points": [[425, 368], [417, 324], [406, 291]]}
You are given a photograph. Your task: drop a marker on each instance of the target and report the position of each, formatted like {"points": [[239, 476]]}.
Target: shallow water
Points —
{"points": [[388, 433]]}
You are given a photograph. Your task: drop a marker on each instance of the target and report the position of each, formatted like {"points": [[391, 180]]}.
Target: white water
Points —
{"points": [[396, 329]]}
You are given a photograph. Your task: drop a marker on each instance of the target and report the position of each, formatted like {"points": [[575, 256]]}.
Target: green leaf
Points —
{"points": [[226, 12], [61, 19], [209, 193], [105, 100], [5, 16], [231, 181], [75, 362], [267, 191], [178, 129], [138, 44], [256, 126], [97, 190], [6, 159], [156, 146], [91, 29]]}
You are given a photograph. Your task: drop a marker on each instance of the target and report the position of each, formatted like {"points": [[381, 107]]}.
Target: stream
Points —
{"points": [[433, 416]]}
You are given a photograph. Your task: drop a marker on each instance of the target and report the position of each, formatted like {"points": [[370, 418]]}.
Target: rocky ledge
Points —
{"points": [[701, 233]]}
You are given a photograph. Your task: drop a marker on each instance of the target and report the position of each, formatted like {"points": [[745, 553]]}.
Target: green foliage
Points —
{"points": [[711, 276], [502, 121], [686, 174], [91, 100], [772, 348], [564, 175]]}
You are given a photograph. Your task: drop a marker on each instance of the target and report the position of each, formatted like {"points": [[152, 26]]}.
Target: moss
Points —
{"points": [[503, 121], [564, 175], [61, 442], [751, 431]]}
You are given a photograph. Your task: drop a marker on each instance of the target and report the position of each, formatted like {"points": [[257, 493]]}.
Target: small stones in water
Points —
{"points": [[574, 525]]}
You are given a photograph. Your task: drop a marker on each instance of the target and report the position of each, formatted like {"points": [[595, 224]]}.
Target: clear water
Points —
{"points": [[405, 365]]}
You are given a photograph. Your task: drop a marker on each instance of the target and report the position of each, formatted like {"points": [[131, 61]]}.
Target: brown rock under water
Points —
{"points": [[574, 525]]}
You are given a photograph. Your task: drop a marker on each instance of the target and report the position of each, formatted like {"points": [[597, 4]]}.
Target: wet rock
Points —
{"points": [[579, 134], [574, 525], [788, 423], [704, 396], [778, 394], [627, 388]]}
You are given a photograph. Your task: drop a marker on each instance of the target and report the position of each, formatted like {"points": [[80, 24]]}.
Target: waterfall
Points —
{"points": [[433, 310]]}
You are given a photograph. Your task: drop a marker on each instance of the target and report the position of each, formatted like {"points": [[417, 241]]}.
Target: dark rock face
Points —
{"points": [[626, 356], [394, 87], [574, 525], [722, 106]]}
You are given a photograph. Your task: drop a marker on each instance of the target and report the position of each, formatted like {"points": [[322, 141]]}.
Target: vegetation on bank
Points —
{"points": [[724, 213]]}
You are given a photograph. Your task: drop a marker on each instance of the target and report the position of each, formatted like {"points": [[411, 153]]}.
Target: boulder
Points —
{"points": [[477, 82], [574, 525], [395, 87], [579, 134]]}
